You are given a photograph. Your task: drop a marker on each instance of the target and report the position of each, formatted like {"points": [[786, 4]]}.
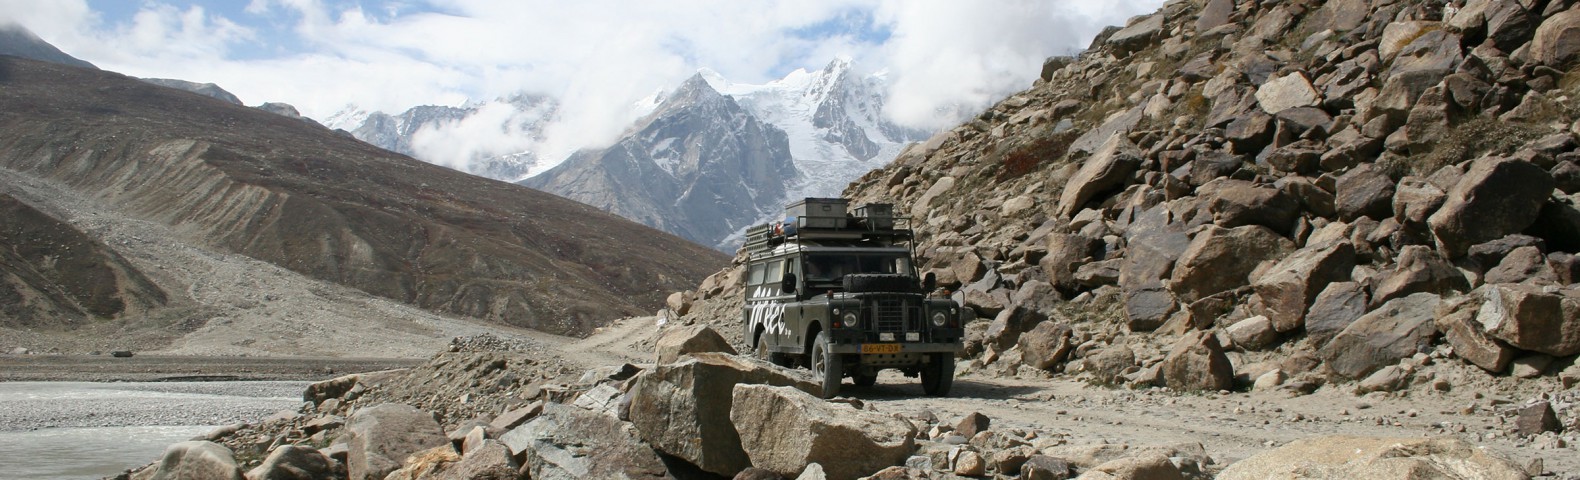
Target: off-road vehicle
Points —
{"points": [[838, 292]]}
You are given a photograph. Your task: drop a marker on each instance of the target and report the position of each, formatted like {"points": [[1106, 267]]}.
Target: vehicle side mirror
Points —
{"points": [[929, 282], [788, 283]]}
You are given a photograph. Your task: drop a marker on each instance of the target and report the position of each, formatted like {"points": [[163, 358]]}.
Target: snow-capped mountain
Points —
{"points": [[494, 139], [699, 166], [834, 120]]}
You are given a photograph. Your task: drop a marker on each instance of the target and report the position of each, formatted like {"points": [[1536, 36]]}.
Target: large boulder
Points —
{"points": [[1066, 253], [1141, 466], [1289, 287], [1456, 319], [1286, 92], [1196, 363], [381, 436], [1109, 365], [1107, 169], [193, 459], [293, 462], [567, 443], [1495, 198], [1235, 203], [678, 408], [1529, 318], [689, 339], [1365, 191], [1046, 345], [1420, 270], [1339, 305], [1137, 35], [1221, 259], [784, 429], [1336, 457], [1557, 40], [1397, 329]]}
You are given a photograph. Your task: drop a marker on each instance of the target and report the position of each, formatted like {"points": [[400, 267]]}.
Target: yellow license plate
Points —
{"points": [[880, 348]]}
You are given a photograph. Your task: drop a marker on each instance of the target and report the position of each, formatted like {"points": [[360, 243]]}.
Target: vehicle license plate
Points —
{"points": [[880, 348]]}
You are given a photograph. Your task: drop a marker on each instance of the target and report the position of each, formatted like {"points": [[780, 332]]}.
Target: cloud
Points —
{"points": [[947, 59]]}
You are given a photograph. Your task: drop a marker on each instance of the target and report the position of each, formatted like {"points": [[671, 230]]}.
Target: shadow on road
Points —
{"points": [[962, 389]]}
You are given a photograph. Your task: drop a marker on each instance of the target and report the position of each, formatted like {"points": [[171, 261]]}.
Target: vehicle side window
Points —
{"points": [[775, 271], [756, 276]]}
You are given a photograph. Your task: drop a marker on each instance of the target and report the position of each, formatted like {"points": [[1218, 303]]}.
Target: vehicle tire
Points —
{"points": [[938, 374], [826, 365], [761, 351], [865, 380]]}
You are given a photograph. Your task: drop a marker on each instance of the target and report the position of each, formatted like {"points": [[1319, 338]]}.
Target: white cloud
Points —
{"points": [[596, 56]]}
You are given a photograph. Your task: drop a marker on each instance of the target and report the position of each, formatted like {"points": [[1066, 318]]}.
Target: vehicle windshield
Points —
{"points": [[829, 269]]}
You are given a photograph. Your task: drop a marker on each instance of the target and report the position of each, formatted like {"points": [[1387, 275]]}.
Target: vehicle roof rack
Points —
{"points": [[826, 220]]}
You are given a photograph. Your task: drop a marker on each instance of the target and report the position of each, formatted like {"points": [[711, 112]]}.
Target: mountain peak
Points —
{"points": [[17, 40]]}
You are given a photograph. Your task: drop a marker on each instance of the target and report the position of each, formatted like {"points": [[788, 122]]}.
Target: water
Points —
{"points": [[75, 430]]}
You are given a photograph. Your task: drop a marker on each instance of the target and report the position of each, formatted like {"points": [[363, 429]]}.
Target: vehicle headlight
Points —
{"points": [[850, 319], [939, 318]]}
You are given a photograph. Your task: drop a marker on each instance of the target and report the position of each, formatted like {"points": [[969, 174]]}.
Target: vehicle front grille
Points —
{"points": [[895, 315]]}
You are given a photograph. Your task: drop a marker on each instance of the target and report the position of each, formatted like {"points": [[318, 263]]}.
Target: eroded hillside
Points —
{"points": [[333, 208]]}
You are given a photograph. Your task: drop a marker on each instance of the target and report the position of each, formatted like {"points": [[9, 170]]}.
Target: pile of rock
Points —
{"points": [[1358, 181]]}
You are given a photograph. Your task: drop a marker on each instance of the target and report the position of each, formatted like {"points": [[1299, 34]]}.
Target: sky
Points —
{"points": [[945, 59]]}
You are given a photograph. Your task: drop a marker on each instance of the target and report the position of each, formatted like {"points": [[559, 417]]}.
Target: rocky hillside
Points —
{"points": [[57, 275], [1295, 194], [700, 166], [245, 181]]}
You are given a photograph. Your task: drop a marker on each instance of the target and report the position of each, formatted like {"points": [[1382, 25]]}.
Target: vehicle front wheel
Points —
{"points": [[863, 380], [938, 374], [826, 365]]}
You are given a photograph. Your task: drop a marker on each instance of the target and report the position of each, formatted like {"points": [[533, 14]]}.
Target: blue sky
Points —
{"points": [[596, 56]]}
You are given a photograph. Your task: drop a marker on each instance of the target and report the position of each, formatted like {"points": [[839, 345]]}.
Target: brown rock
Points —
{"points": [[1339, 305], [1368, 457], [783, 430], [1046, 346], [1415, 199], [1066, 253], [1557, 41], [1528, 318], [688, 339], [1197, 362], [1290, 286], [568, 442], [973, 424], [1420, 270], [1235, 203], [1364, 191], [383, 435], [677, 408], [1145, 466], [1537, 418], [1456, 319], [970, 464], [1221, 259], [1109, 365], [1043, 467], [1253, 333], [194, 459], [1286, 92], [293, 462], [1496, 197], [1397, 329], [1524, 264], [1107, 169]]}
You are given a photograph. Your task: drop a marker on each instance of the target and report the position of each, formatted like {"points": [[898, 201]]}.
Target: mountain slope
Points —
{"points": [[276, 189], [699, 166], [207, 89], [17, 40], [52, 273]]}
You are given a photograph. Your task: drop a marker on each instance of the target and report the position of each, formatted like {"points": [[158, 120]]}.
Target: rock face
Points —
{"points": [[1221, 259], [1557, 40], [678, 407], [699, 338], [566, 443], [194, 459], [1198, 363], [382, 436], [1529, 319], [382, 223], [784, 429], [1381, 458], [1108, 168], [1395, 330], [698, 166], [1288, 290]]}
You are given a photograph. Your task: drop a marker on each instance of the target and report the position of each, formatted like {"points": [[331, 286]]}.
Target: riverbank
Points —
{"points": [[166, 368]]}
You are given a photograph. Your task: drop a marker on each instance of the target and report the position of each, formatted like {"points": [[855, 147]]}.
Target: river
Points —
{"points": [[76, 430]]}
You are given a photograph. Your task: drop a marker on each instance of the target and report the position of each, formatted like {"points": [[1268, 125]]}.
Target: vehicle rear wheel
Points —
{"points": [[938, 374], [762, 351], [826, 365]]}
